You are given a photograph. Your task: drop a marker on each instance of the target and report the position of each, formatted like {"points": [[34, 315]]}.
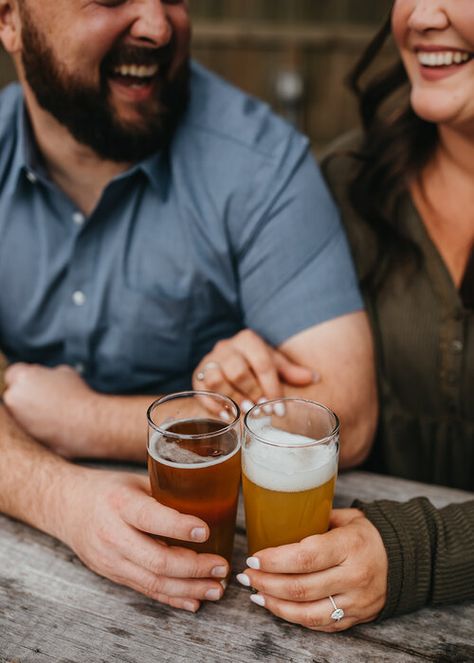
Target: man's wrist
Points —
{"points": [[61, 500]]}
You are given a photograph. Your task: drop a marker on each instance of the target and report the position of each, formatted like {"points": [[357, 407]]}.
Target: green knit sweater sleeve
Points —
{"points": [[430, 552]]}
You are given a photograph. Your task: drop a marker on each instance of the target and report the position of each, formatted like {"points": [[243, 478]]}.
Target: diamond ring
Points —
{"points": [[201, 374], [338, 613]]}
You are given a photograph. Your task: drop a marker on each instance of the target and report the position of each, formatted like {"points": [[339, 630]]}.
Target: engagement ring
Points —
{"points": [[338, 613], [201, 374]]}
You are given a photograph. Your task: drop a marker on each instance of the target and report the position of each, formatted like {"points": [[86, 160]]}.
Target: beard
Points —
{"points": [[85, 110]]}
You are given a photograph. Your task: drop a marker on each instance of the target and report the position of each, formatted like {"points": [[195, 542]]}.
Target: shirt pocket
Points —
{"points": [[146, 346]]}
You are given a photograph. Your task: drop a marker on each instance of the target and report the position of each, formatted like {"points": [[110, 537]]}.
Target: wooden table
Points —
{"points": [[53, 609]]}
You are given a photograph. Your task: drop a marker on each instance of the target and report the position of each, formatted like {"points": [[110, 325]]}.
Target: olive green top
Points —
{"points": [[424, 341]]}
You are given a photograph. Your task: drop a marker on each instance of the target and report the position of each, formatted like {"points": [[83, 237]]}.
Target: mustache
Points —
{"points": [[140, 56]]}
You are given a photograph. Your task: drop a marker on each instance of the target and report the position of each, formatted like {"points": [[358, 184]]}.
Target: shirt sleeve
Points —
{"points": [[294, 264], [430, 552]]}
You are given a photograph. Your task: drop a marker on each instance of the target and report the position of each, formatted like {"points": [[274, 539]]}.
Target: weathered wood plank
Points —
{"points": [[53, 609]]}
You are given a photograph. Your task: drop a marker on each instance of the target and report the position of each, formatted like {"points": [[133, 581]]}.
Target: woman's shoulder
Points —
{"points": [[339, 163]]}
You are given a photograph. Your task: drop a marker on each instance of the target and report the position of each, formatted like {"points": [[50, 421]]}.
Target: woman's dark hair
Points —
{"points": [[395, 147]]}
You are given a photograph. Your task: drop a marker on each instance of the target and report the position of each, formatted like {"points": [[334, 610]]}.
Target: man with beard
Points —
{"points": [[147, 210]]}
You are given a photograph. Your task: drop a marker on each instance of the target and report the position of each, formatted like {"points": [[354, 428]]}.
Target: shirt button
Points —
{"points": [[79, 298], [78, 218], [30, 176], [80, 368], [457, 346]]}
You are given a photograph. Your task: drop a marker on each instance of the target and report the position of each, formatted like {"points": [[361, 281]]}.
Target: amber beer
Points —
{"points": [[289, 477], [194, 464]]}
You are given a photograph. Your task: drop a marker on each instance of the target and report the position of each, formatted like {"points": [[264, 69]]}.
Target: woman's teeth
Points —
{"points": [[442, 58]]}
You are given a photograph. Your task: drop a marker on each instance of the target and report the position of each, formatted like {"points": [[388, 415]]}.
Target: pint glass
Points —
{"points": [[194, 462], [289, 469]]}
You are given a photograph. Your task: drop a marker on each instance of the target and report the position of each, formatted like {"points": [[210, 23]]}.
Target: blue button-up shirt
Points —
{"points": [[230, 228]]}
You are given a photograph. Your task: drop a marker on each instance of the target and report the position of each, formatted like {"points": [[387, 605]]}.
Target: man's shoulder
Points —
{"points": [[225, 116]]}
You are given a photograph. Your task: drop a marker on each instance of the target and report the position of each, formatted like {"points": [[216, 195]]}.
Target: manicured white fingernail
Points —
{"points": [[267, 408], [280, 409], [243, 579], [258, 599], [199, 534], [316, 377], [213, 594], [224, 584], [253, 562], [224, 415], [247, 405]]}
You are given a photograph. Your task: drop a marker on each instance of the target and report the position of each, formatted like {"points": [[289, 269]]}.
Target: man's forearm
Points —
{"points": [[357, 424], [74, 421], [31, 478], [116, 427], [341, 350]]}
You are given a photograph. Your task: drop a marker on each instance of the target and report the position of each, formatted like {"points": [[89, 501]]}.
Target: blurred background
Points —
{"points": [[292, 53]]}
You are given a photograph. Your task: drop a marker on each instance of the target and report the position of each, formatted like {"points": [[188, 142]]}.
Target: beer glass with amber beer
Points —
{"points": [[289, 467], [194, 462]]}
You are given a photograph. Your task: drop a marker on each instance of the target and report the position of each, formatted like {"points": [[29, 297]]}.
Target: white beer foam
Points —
{"points": [[284, 468]]}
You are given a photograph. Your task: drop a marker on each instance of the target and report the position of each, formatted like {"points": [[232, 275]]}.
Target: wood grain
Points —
{"points": [[54, 610]]}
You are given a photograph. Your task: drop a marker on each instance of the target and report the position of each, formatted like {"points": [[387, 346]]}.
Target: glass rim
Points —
{"points": [[187, 394], [286, 399]]}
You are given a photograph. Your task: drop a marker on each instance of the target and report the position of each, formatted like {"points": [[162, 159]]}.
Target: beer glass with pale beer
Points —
{"points": [[194, 462], [289, 466]]}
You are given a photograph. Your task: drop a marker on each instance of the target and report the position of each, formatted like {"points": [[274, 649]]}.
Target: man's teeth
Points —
{"points": [[138, 71], [442, 58]]}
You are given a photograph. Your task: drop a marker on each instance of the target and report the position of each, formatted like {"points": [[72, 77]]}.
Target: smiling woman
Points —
{"points": [[405, 192], [436, 42]]}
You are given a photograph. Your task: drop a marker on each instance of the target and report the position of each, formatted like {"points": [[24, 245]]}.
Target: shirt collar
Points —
{"points": [[28, 159], [28, 156], [154, 167]]}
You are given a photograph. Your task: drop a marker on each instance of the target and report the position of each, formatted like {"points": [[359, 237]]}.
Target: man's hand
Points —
{"points": [[348, 563], [107, 519], [249, 370], [50, 404]]}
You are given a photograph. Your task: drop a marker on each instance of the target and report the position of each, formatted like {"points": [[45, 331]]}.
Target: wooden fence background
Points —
{"points": [[292, 53]]}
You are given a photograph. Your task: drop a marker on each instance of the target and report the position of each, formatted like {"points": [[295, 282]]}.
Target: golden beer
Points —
{"points": [[276, 518], [288, 477]]}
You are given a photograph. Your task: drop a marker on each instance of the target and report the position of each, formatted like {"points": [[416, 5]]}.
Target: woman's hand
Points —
{"points": [[249, 370], [348, 563]]}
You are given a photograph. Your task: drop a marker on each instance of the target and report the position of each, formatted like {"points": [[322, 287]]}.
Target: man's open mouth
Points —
{"points": [[135, 75]]}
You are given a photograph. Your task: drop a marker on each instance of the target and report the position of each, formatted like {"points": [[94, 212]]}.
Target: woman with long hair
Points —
{"points": [[405, 188]]}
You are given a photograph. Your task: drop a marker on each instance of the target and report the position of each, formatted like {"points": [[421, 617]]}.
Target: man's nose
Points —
{"points": [[151, 23], [428, 15]]}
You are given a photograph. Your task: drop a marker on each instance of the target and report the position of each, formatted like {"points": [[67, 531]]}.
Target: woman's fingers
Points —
{"points": [[294, 374], [298, 588], [211, 376], [315, 553], [315, 615]]}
